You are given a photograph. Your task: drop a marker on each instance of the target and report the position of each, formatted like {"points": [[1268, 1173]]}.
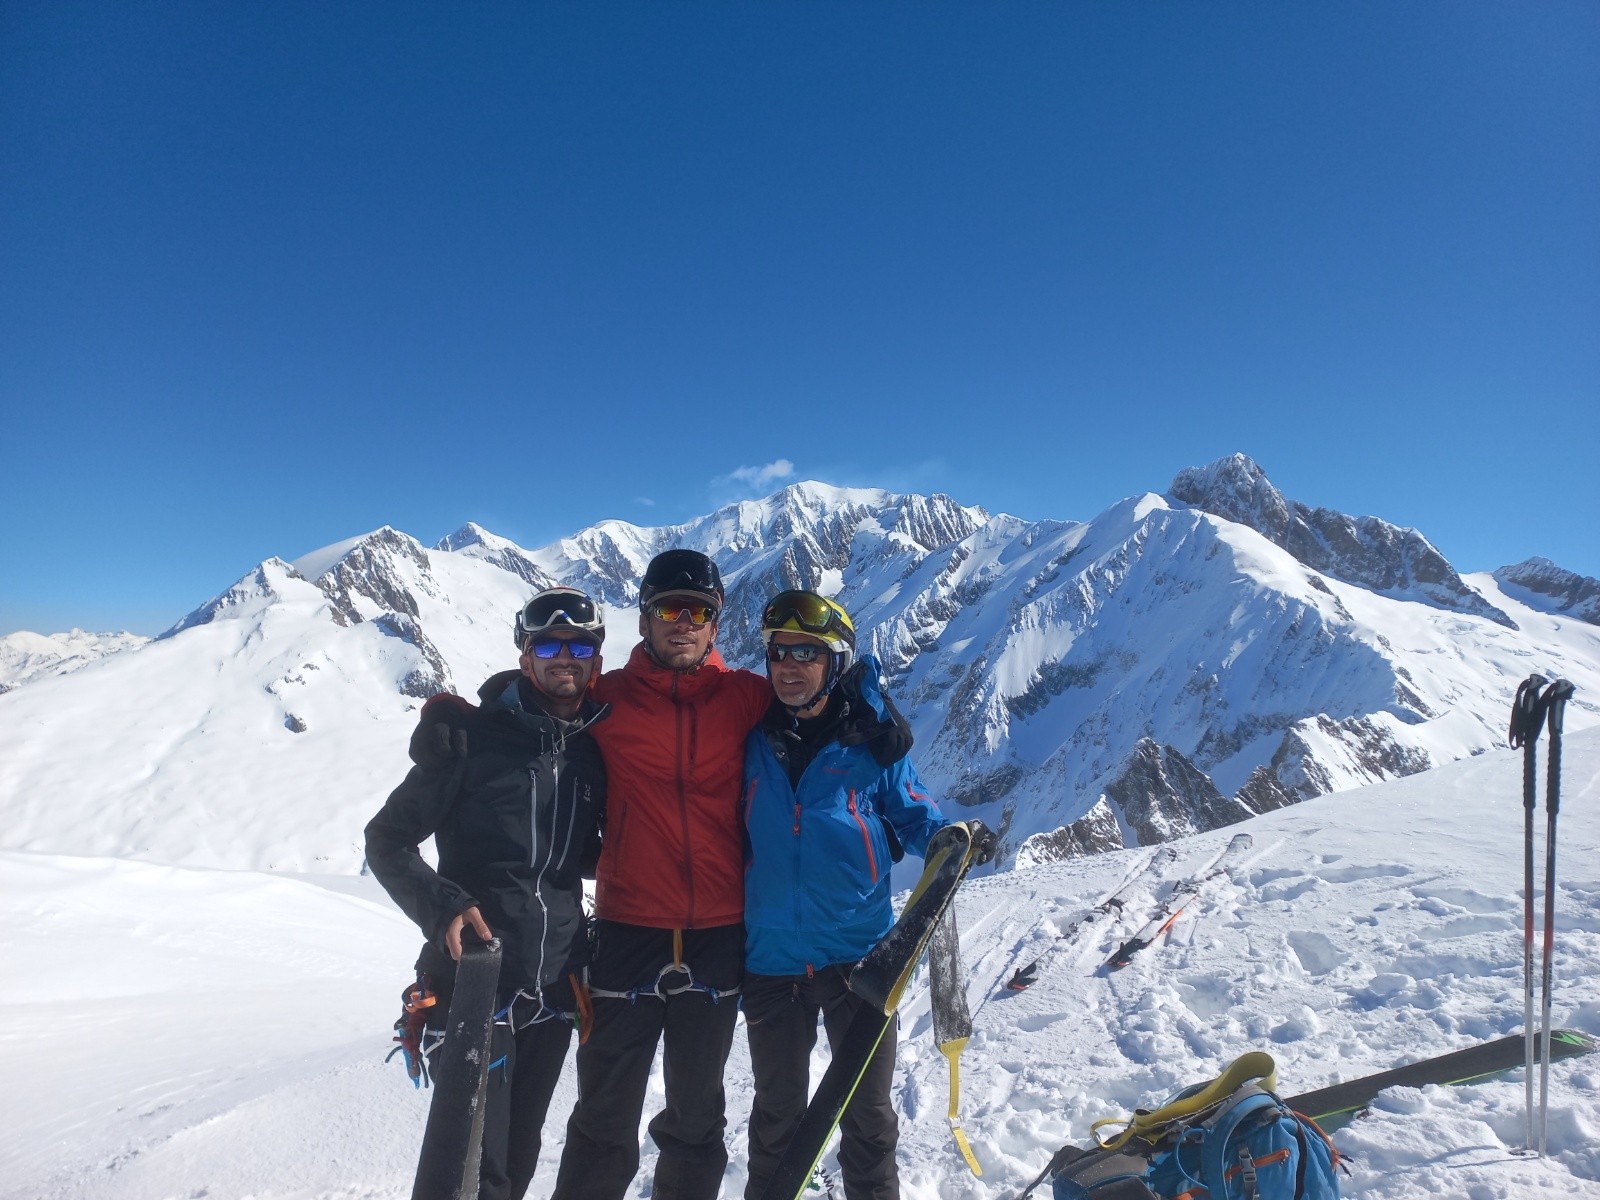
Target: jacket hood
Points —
{"points": [[644, 668], [495, 693]]}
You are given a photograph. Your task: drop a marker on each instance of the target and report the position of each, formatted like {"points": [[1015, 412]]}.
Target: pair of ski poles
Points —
{"points": [[1538, 703]]}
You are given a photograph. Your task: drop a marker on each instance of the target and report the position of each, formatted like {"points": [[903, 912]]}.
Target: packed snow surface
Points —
{"points": [[181, 1032]]}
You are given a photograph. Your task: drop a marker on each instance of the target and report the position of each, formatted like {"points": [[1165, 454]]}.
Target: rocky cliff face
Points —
{"points": [[1097, 831], [1540, 584], [1365, 551], [1162, 795]]}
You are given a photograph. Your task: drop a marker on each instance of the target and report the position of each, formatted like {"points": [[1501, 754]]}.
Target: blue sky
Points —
{"points": [[278, 274]]}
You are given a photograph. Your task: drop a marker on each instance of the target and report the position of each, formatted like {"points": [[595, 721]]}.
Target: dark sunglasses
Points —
{"points": [[673, 611], [802, 652], [551, 648]]}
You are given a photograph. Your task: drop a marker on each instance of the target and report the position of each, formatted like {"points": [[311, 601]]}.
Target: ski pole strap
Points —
{"points": [[1527, 712], [952, 1052], [1150, 1124]]}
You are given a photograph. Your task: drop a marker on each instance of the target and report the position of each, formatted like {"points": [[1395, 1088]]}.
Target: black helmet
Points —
{"points": [[681, 573], [560, 608]]}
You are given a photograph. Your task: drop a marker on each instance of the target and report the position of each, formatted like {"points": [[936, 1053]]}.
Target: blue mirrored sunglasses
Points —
{"points": [[551, 648]]}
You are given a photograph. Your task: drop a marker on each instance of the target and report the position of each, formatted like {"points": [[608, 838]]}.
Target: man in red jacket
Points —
{"points": [[669, 941]]}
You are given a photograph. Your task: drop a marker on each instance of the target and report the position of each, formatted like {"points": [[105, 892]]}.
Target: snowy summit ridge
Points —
{"points": [[1366, 551], [1176, 663]]}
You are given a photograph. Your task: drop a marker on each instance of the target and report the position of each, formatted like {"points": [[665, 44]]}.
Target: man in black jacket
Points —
{"points": [[513, 792]]}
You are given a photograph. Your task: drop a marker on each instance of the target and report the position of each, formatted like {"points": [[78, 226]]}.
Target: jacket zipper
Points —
{"points": [[866, 838], [539, 872], [683, 805]]}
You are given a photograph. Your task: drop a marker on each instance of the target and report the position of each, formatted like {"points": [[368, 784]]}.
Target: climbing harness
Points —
{"points": [[658, 988]]}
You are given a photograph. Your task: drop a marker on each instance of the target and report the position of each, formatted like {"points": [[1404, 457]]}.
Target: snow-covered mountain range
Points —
{"points": [[25, 655], [1181, 661]]}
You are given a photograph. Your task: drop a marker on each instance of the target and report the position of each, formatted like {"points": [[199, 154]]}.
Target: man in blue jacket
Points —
{"points": [[830, 802]]}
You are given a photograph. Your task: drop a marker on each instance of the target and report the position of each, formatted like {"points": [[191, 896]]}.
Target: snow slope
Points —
{"points": [[185, 1032]]}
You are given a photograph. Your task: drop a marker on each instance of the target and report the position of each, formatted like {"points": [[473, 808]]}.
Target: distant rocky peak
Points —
{"points": [[470, 534], [383, 567], [1366, 551], [473, 539], [259, 586], [1540, 584], [937, 520], [1237, 489]]}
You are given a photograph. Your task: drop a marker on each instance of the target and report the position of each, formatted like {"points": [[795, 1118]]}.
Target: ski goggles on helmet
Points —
{"points": [[550, 647], [560, 608], [810, 613], [675, 609], [801, 652]]}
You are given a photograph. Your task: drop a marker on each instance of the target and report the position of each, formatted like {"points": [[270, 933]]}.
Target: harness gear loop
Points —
{"points": [[530, 1008], [656, 989]]}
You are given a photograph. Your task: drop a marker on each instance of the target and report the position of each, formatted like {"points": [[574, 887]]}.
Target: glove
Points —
{"points": [[890, 744], [437, 740], [889, 741], [985, 842]]}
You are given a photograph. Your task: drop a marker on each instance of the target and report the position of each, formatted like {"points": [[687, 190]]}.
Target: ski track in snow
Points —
{"points": [[175, 1032]]}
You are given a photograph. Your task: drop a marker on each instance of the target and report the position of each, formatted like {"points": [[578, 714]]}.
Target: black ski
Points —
{"points": [[880, 979], [452, 1143], [1026, 976], [1338, 1103], [1174, 906]]}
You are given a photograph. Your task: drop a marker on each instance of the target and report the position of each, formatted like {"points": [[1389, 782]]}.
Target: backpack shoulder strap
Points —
{"points": [[1222, 1125], [1151, 1124]]}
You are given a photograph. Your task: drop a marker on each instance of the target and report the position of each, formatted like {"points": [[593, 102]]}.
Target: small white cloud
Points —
{"points": [[758, 477], [644, 500]]}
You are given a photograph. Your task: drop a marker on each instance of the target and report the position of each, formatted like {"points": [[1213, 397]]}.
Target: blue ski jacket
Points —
{"points": [[817, 874]]}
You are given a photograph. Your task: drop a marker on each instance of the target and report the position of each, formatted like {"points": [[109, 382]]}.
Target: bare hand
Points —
{"points": [[452, 935]]}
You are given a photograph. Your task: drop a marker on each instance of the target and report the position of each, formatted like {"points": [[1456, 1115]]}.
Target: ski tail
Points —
{"points": [[447, 1166], [952, 1020], [1486, 1060]]}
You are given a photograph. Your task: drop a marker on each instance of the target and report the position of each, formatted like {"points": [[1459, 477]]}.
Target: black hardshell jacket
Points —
{"points": [[517, 821]]}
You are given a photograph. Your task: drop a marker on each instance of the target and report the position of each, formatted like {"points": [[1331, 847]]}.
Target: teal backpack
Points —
{"points": [[1230, 1139]]}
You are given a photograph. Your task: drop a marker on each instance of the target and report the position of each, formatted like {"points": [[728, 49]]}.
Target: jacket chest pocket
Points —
{"points": [[874, 845]]}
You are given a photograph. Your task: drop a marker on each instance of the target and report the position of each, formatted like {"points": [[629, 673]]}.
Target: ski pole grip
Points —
{"points": [[1555, 698], [1527, 713]]}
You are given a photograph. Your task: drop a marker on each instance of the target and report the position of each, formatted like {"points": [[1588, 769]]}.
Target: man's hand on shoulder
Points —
{"points": [[439, 738], [892, 739]]}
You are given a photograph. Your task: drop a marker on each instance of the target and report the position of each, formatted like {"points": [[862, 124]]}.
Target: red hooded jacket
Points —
{"points": [[672, 856]]}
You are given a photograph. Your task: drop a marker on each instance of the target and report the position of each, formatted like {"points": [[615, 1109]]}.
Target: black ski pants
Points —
{"points": [[524, 1068], [695, 1031], [780, 1013]]}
